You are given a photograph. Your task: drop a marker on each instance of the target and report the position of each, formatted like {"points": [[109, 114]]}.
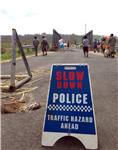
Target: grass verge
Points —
{"points": [[7, 55]]}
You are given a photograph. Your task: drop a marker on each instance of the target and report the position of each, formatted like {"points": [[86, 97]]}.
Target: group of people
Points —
{"points": [[107, 46], [44, 45]]}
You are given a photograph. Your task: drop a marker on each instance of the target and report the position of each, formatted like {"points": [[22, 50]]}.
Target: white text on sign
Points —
{"points": [[70, 98]]}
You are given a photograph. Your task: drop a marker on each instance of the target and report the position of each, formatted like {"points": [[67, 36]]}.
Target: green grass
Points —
{"points": [[7, 55]]}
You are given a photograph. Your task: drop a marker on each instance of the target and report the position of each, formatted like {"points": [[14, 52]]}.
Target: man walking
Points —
{"points": [[35, 44], [85, 46], [44, 45], [112, 42]]}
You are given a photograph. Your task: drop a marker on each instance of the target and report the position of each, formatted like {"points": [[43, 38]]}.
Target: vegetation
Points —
{"points": [[7, 55]]}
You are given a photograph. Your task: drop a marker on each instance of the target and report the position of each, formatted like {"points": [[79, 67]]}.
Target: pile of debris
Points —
{"points": [[14, 106], [22, 99], [19, 102]]}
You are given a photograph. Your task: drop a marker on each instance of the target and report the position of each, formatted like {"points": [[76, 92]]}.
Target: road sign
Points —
{"points": [[70, 110]]}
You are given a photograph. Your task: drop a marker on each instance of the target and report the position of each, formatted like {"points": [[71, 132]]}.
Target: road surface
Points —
{"points": [[22, 131]]}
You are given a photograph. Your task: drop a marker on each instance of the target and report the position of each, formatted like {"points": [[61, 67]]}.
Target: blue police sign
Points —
{"points": [[70, 104]]}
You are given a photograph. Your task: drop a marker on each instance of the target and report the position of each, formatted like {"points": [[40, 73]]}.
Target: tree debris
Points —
{"points": [[24, 103], [14, 106]]}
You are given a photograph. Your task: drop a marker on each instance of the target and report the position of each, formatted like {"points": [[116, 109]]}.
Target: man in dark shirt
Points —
{"points": [[35, 44], [112, 42], [44, 45]]}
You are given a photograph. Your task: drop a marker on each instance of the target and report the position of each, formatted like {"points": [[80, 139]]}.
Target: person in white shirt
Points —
{"points": [[61, 44], [85, 46]]}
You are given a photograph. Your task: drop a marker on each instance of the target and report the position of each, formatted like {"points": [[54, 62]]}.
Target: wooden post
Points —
{"points": [[16, 40], [5, 76], [9, 76], [13, 63], [23, 54], [20, 83]]}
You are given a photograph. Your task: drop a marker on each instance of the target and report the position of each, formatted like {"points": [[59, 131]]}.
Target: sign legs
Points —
{"points": [[89, 141]]}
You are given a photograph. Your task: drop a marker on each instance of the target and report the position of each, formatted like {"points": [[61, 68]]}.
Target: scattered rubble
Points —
{"points": [[13, 106], [21, 100]]}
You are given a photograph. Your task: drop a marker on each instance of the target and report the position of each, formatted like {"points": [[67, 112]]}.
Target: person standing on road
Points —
{"points": [[61, 44], [35, 44], [85, 46], [68, 44], [95, 45], [103, 44], [44, 45], [112, 42]]}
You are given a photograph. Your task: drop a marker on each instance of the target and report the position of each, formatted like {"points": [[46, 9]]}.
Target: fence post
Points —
{"points": [[23, 54], [13, 63]]}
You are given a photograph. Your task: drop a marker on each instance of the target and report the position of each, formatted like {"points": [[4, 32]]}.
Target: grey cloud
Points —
{"points": [[4, 12]]}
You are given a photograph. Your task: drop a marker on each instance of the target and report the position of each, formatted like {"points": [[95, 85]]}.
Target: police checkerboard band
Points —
{"points": [[74, 108]]}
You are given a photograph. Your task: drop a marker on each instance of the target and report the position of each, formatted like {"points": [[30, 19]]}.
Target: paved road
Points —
{"points": [[22, 131]]}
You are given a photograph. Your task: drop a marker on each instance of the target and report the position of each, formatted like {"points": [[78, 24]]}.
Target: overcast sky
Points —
{"points": [[66, 16]]}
